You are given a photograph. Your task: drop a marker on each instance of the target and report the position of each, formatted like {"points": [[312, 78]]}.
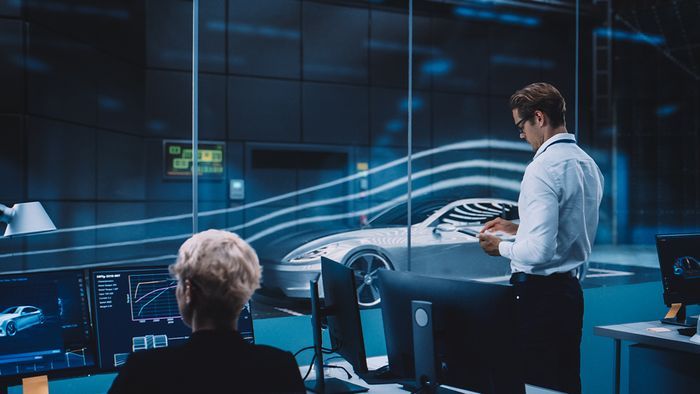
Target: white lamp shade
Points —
{"points": [[27, 218]]}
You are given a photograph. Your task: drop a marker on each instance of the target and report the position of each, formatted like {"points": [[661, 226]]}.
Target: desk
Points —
{"points": [[640, 333], [377, 362]]}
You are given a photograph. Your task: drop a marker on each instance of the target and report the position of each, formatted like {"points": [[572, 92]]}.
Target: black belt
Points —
{"points": [[522, 277]]}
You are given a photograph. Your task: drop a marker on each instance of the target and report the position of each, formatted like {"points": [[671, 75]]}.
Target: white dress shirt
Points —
{"points": [[558, 206]]}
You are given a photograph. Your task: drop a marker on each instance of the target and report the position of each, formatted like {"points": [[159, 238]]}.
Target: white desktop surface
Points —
{"points": [[379, 361]]}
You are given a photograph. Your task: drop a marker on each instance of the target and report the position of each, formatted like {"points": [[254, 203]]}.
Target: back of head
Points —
{"points": [[543, 97], [223, 269]]}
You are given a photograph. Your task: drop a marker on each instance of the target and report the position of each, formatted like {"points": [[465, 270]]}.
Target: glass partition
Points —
{"points": [[469, 57], [85, 117], [303, 120], [654, 114]]}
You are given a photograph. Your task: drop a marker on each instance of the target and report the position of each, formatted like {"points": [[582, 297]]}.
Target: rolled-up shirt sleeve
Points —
{"points": [[536, 240]]}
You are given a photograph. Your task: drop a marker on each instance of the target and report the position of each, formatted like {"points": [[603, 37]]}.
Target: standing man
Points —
{"points": [[558, 205]]}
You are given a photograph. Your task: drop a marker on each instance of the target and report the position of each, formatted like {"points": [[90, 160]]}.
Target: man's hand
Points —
{"points": [[490, 244], [499, 224]]}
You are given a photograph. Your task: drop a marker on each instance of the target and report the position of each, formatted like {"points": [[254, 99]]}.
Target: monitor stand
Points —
{"points": [[35, 385], [424, 359], [676, 316]]}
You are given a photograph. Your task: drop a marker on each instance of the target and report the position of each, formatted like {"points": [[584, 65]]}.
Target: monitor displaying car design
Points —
{"points": [[45, 326], [16, 318]]}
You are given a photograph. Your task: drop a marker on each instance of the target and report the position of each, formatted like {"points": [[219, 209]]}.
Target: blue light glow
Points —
{"points": [[666, 110], [335, 70], [437, 66], [253, 30], [32, 64], [417, 103], [110, 103], [530, 62], [505, 18], [157, 125], [401, 47], [394, 125], [629, 36]]}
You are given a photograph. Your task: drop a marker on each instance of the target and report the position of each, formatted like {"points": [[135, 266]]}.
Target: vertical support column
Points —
{"points": [[576, 76], [604, 119], [195, 116], [409, 156]]}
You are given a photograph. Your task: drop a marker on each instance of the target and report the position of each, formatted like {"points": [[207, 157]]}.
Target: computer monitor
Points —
{"points": [[135, 309], [321, 384], [45, 326], [473, 323], [343, 314], [679, 262]]}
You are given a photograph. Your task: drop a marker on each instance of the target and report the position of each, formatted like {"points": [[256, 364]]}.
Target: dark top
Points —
{"points": [[210, 362]]}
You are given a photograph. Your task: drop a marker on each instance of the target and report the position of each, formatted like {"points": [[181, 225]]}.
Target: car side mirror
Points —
{"points": [[445, 228]]}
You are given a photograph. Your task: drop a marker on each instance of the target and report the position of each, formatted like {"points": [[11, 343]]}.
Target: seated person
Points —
{"points": [[217, 272]]}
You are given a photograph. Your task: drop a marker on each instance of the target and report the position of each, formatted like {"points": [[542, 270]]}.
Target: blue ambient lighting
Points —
{"points": [[32, 64], [437, 66], [401, 47], [529, 62], [417, 103], [254, 30], [394, 125], [110, 103], [629, 36], [666, 110], [506, 18]]}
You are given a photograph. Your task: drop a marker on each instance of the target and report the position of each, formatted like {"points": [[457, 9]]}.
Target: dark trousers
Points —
{"points": [[549, 320]]}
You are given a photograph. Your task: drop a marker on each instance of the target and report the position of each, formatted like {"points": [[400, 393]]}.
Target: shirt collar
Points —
{"points": [[553, 139]]}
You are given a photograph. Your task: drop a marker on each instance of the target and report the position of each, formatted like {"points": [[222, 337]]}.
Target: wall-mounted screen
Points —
{"points": [[44, 324], [135, 309], [178, 161]]}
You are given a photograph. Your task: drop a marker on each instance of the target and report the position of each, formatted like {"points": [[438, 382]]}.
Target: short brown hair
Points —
{"points": [[543, 97]]}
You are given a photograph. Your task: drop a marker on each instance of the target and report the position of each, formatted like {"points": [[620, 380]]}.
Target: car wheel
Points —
{"points": [[10, 328], [366, 264]]}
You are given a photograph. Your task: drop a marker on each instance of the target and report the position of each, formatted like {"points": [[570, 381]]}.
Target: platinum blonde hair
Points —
{"points": [[223, 269]]}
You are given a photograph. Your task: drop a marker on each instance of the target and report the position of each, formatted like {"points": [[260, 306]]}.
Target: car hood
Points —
{"points": [[8, 316]]}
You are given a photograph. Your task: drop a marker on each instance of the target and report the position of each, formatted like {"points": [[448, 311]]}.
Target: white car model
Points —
{"points": [[441, 244], [17, 318]]}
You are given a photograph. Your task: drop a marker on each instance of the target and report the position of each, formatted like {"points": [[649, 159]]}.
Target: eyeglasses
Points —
{"points": [[521, 124]]}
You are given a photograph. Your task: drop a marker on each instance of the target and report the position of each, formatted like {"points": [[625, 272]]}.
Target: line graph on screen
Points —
{"points": [[153, 297]]}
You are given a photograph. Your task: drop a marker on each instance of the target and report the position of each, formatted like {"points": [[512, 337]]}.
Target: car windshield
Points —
{"points": [[11, 309], [421, 210]]}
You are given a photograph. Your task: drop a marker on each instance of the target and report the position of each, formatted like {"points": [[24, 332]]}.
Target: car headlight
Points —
{"points": [[310, 255]]}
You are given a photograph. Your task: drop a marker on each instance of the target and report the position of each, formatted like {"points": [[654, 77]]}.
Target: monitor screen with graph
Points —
{"points": [[45, 326], [135, 309]]}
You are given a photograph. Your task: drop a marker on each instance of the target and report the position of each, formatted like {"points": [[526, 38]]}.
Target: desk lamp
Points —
{"points": [[25, 218]]}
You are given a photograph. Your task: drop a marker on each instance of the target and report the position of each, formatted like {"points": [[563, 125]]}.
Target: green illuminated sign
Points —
{"points": [[178, 159]]}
